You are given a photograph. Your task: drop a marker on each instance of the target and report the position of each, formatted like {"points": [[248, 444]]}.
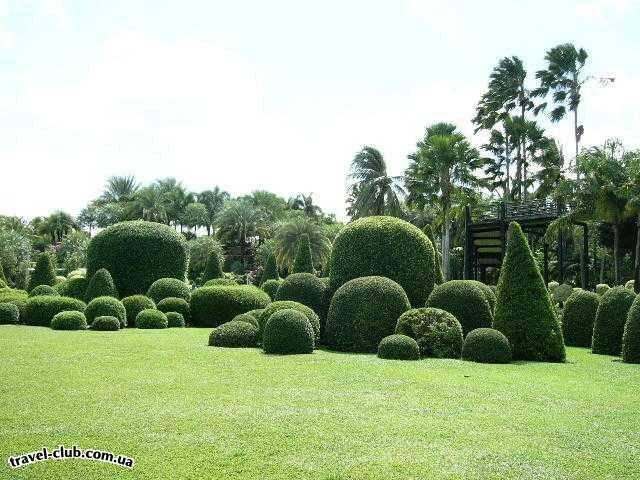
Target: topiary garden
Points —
{"points": [[611, 317], [466, 301]]}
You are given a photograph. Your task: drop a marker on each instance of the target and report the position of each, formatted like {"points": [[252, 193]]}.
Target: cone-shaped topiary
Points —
{"points": [[524, 313], [169, 287], [71, 320], [304, 260], [610, 319], [106, 324], [578, 317], [213, 268], [44, 273], [437, 260], [106, 307], [288, 332], [134, 304], [631, 335], [465, 300], [9, 314], [234, 334], [271, 269], [43, 290], [398, 347], [436, 331], [151, 318], [101, 285], [271, 287], [486, 345]]}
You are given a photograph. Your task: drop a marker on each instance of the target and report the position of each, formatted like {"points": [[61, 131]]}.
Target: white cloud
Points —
{"points": [[601, 11]]}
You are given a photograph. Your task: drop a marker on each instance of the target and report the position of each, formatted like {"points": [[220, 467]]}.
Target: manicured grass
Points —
{"points": [[184, 410]]}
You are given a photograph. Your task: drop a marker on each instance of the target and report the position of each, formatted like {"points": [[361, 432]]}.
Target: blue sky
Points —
{"points": [[273, 95]]}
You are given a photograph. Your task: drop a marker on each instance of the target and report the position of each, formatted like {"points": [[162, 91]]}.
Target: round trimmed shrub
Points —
{"points": [[601, 288], [74, 287], [69, 321], [101, 285], [488, 292], [274, 307], [578, 316], [631, 335], [304, 288], [287, 332], [465, 301], [39, 311], [256, 312], [151, 318], [9, 314], [175, 320], [44, 273], [106, 324], [486, 345], [213, 306], [386, 247], [174, 304], [363, 311], [271, 287], [610, 319], [220, 281], [22, 305], [234, 334], [247, 318], [437, 332], [169, 288], [398, 347], [137, 253], [134, 305], [562, 292], [106, 307], [43, 290]]}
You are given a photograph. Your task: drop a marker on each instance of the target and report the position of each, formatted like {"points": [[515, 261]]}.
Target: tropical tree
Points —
{"points": [[238, 221], [633, 190], [304, 202], [213, 200], [152, 203], [57, 225], [288, 234], [175, 198], [120, 189], [195, 215], [88, 217]]}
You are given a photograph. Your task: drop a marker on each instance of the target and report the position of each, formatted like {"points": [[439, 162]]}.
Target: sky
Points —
{"points": [[274, 95]]}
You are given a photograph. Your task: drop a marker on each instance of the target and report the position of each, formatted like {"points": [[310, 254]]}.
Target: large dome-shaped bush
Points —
{"points": [[631, 335], [169, 288], [465, 300], [72, 320], [488, 292], [40, 311], [398, 347], [436, 331], [610, 319], [234, 334], [288, 332], [363, 311], [138, 253], [106, 307], [386, 247], [578, 317], [134, 305], [304, 288], [213, 306], [274, 307], [486, 345]]}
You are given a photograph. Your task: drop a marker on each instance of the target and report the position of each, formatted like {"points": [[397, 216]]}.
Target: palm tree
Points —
{"points": [[57, 225], [195, 215], [176, 198], [238, 221], [120, 189], [287, 235], [373, 191], [213, 200], [305, 204], [633, 187], [442, 166], [88, 217], [152, 203]]}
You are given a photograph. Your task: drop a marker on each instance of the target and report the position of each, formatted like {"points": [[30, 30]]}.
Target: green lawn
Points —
{"points": [[182, 410]]}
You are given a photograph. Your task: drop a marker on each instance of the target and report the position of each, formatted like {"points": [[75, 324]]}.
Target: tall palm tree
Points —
{"points": [[57, 225], [213, 200], [287, 235], [304, 202], [176, 198], [374, 191], [238, 221], [633, 187], [152, 203], [120, 189]]}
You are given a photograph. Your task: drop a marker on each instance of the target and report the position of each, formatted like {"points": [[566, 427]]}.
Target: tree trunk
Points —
{"points": [[507, 161], [519, 171], [616, 254], [577, 137], [446, 241]]}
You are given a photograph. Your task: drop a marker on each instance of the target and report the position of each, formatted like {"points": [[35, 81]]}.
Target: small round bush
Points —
{"points": [[9, 314], [271, 287], [134, 304], [213, 306], [578, 316], [175, 320], [247, 318], [101, 285], [437, 332], [287, 332], [220, 281], [106, 307], [43, 290], [234, 335], [465, 300], [22, 305], [39, 311], [631, 335], [69, 321], [174, 304], [106, 323], [151, 318], [610, 319], [398, 347], [601, 288], [562, 292], [74, 287], [304, 288], [274, 307], [486, 345], [169, 287]]}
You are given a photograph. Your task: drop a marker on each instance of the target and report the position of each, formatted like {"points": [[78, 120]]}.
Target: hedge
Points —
{"points": [[270, 287], [288, 332], [578, 317], [631, 335], [106, 324], [398, 347], [44, 273], [41, 290], [106, 307], [101, 285], [436, 331], [175, 320], [151, 318], [134, 304], [465, 300], [9, 314], [247, 318], [11, 294], [486, 345], [169, 287], [40, 311], [610, 319], [137, 253], [303, 262], [74, 287], [386, 247], [213, 268], [213, 306], [307, 289], [69, 321], [234, 334], [173, 304], [274, 307]]}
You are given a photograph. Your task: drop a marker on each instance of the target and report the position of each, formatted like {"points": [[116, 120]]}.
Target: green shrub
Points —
{"points": [[488, 292], [486, 345], [40, 311], [270, 269], [74, 287], [363, 311], [303, 262], [72, 320], [551, 286], [11, 294], [307, 289], [436, 331], [106, 324], [213, 269], [465, 300], [247, 318], [59, 280], [234, 334], [288, 332], [3, 279], [524, 313], [602, 288], [151, 318], [220, 281], [22, 305], [106, 307], [42, 290], [631, 335], [271, 288], [630, 285], [134, 304], [610, 319], [213, 306], [578, 317], [388, 247], [44, 273], [437, 260], [562, 292], [169, 287], [138, 253], [9, 314], [274, 307], [173, 304], [101, 285], [398, 347], [255, 313], [175, 320]]}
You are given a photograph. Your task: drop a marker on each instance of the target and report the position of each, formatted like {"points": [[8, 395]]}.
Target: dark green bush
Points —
{"points": [[274, 307], [578, 316], [137, 254], [631, 335], [486, 345], [288, 332], [9, 314], [488, 292], [388, 247], [436, 331], [213, 269], [173, 304], [307, 289], [101, 285], [270, 269], [363, 311], [175, 320], [465, 301], [72, 320], [524, 313], [40, 311], [106, 307], [398, 347], [234, 334], [106, 324], [213, 306], [44, 273], [43, 290], [610, 319], [255, 313], [303, 262], [220, 281], [271, 287], [134, 305], [437, 260], [74, 287], [151, 318], [169, 287], [22, 305], [247, 318]]}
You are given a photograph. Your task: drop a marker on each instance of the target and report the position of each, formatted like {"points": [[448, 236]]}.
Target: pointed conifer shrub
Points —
{"points": [[303, 262], [271, 269], [101, 285], [213, 269], [44, 273], [524, 313], [631, 335], [610, 319]]}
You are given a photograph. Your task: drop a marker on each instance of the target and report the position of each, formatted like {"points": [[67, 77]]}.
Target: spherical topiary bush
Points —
{"points": [[436, 331], [105, 324], [220, 281], [271, 287], [40, 311], [134, 304], [601, 288], [287, 332], [465, 300], [213, 306], [386, 247], [398, 347], [44, 273], [22, 305], [363, 311], [74, 287], [175, 320], [72, 320], [100, 285], [610, 319], [561, 293], [106, 307], [173, 304], [488, 292], [631, 335], [304, 288], [578, 317], [486, 345], [138, 253], [9, 314], [234, 334], [247, 318], [43, 290], [151, 318], [169, 287], [274, 307]]}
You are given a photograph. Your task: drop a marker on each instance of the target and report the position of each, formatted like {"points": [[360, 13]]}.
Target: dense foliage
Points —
{"points": [[486, 345], [213, 306], [398, 347], [578, 317], [213, 268], [169, 287], [610, 319], [234, 334], [106, 307], [631, 335], [274, 307], [248, 318], [71, 320], [436, 331], [134, 304], [174, 304], [101, 285], [44, 273], [303, 262], [151, 318], [43, 290], [288, 332], [304, 288], [40, 311], [74, 287], [9, 314], [175, 320], [465, 300], [271, 287], [106, 324]]}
